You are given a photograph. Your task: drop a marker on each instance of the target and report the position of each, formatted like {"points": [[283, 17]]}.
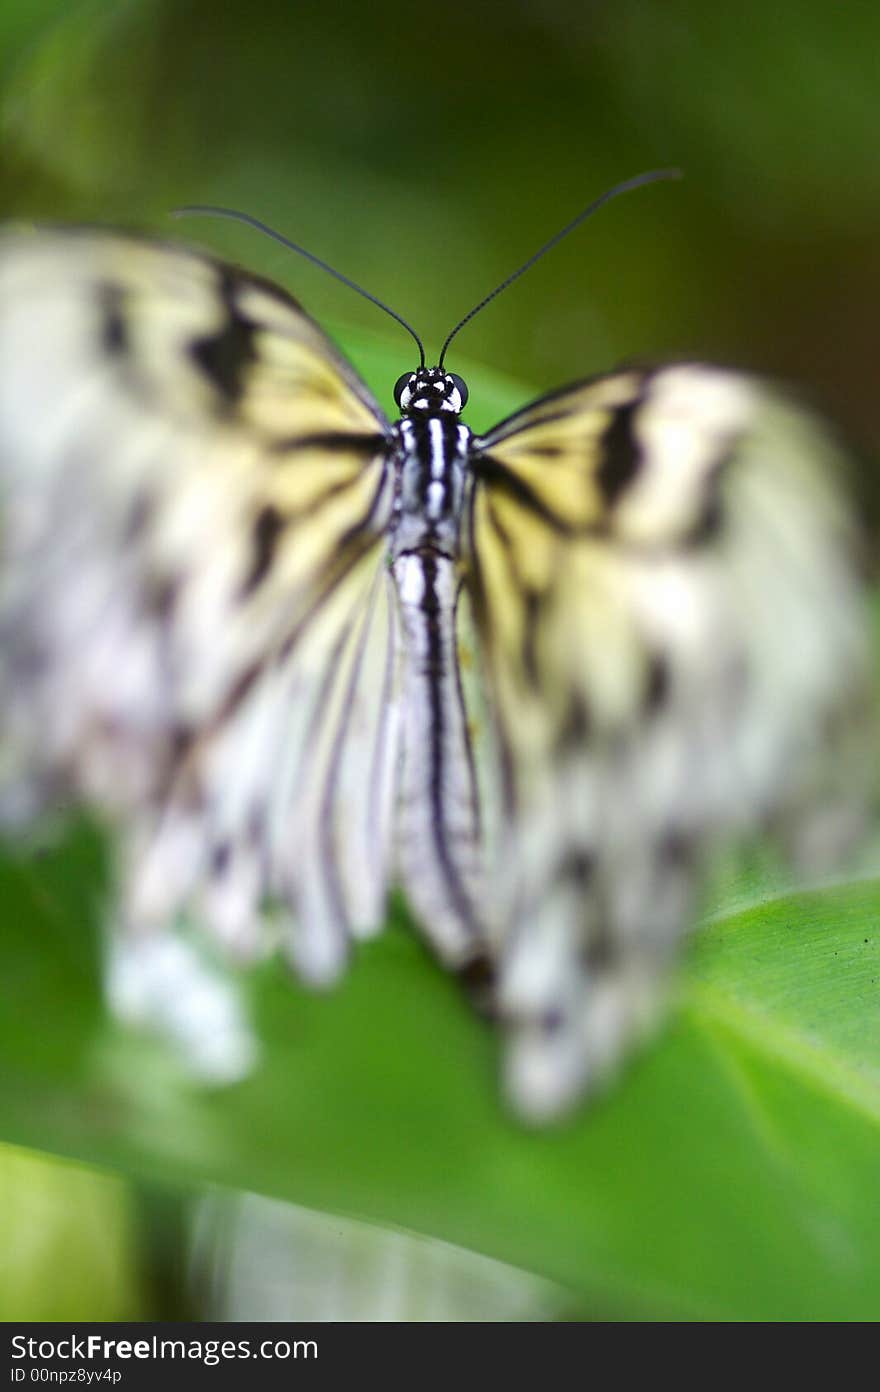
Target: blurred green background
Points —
{"points": [[426, 151], [426, 154]]}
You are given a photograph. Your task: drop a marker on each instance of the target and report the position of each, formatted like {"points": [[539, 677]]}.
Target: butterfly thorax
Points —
{"points": [[432, 470]]}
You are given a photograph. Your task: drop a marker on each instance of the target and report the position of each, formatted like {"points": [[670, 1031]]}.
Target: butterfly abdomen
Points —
{"points": [[438, 815]]}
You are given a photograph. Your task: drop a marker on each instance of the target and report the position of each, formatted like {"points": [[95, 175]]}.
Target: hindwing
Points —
{"points": [[662, 574]]}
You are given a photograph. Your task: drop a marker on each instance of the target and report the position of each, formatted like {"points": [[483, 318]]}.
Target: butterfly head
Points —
{"points": [[430, 391]]}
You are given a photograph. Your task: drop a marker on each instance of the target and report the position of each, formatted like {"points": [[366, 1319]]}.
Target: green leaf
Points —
{"points": [[730, 1174], [69, 1241]]}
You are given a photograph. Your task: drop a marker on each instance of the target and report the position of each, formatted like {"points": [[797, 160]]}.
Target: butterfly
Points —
{"points": [[299, 654]]}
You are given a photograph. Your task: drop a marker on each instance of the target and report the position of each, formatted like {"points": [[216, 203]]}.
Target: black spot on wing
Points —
{"points": [[225, 355], [621, 456], [552, 1022], [160, 597], [221, 856], [533, 602], [676, 850], [546, 451], [363, 446], [140, 516], [711, 514], [267, 528], [577, 726], [600, 951], [181, 739], [478, 978], [237, 693], [114, 329], [577, 867], [657, 681]]}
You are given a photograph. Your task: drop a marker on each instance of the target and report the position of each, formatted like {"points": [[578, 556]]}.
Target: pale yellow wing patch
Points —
{"points": [[664, 578]]}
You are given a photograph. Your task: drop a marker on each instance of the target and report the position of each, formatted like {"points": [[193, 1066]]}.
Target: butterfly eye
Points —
{"points": [[399, 385], [461, 387]]}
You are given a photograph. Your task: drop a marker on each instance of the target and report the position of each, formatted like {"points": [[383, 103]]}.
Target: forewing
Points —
{"points": [[663, 574], [195, 610]]}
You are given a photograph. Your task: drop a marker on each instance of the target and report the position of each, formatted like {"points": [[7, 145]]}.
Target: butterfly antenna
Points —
{"points": [[204, 210], [652, 177]]}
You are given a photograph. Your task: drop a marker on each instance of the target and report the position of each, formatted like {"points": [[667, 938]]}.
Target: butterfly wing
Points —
{"points": [[198, 630], [662, 573]]}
